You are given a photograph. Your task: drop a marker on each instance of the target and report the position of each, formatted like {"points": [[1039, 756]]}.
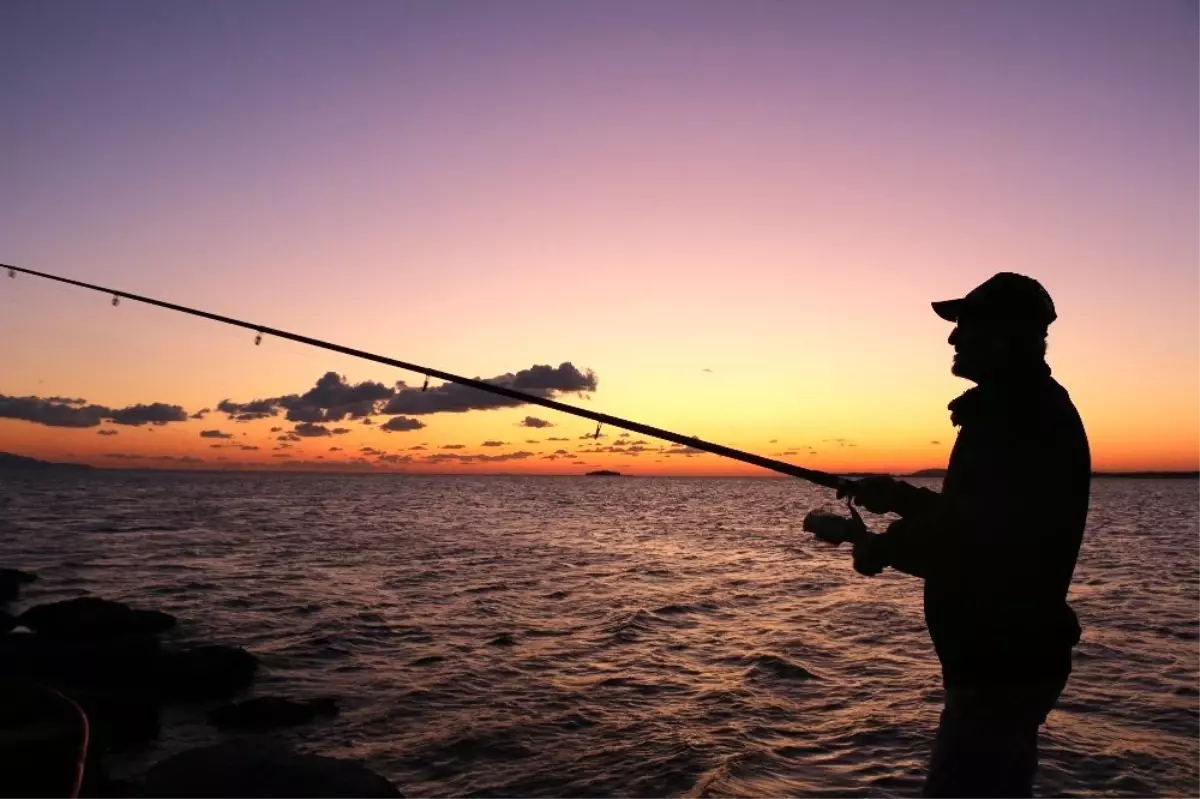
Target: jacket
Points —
{"points": [[997, 547]]}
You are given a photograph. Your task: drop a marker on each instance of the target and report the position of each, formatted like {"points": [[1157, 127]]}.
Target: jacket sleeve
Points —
{"points": [[915, 501], [906, 544]]}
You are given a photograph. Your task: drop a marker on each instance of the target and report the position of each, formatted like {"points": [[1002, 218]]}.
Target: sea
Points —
{"points": [[589, 636]]}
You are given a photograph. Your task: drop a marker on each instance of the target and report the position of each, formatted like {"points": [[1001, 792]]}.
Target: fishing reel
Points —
{"points": [[834, 528]]}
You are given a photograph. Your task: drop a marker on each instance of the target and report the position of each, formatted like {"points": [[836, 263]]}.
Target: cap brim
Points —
{"points": [[948, 309]]}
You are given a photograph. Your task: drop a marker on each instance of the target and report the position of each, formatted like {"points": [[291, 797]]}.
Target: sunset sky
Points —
{"points": [[734, 214]]}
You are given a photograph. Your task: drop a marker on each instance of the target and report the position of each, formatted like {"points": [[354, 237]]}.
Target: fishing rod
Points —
{"points": [[811, 475]]}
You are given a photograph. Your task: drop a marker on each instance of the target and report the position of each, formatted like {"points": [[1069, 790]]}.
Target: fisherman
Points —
{"points": [[997, 547]]}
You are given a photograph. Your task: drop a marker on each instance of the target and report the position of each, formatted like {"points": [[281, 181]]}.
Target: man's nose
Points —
{"points": [[953, 337]]}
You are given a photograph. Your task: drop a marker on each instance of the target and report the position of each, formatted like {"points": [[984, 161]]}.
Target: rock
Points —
{"points": [[204, 671], [92, 617], [265, 712], [119, 664], [261, 769], [11, 581], [43, 736], [17, 576], [119, 720]]}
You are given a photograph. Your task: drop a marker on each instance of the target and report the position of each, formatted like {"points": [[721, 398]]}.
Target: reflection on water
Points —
{"points": [[572, 636]]}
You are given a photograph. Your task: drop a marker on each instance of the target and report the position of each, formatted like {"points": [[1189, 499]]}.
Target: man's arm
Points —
{"points": [[909, 542]]}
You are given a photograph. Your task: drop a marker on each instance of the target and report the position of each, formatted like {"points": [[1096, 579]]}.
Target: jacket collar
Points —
{"points": [[996, 395]]}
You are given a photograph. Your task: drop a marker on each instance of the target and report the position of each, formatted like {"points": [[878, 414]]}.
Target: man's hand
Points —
{"points": [[871, 555], [881, 494]]}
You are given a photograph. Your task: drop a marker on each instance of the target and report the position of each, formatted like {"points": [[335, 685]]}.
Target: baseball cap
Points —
{"points": [[1005, 296]]}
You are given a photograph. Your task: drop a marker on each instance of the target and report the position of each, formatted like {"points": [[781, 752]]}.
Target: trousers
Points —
{"points": [[987, 739]]}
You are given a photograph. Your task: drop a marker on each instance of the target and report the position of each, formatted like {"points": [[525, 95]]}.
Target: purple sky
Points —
{"points": [[620, 184]]}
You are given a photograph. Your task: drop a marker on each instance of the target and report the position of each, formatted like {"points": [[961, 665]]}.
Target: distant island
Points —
{"points": [[10, 462], [603, 473]]}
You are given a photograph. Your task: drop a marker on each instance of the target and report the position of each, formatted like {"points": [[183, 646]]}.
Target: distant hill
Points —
{"points": [[603, 473], [10, 462]]}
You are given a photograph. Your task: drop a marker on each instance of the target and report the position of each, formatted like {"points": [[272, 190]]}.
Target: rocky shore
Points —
{"points": [[109, 659]]}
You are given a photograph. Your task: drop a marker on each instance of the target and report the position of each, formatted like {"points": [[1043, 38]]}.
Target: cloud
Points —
{"points": [[76, 413], [287, 437], [282, 455], [176, 458], [330, 400], [935, 442], [340, 431], [443, 457], [401, 424], [533, 421], [592, 436], [677, 449], [368, 420], [248, 411], [200, 414], [454, 446], [214, 434], [773, 441], [276, 429], [506, 456], [333, 399], [107, 432], [532, 441], [561, 452], [706, 369], [542, 381], [247, 447], [417, 448], [332, 391], [155, 413], [395, 458], [493, 443], [307, 430], [557, 438], [370, 450], [335, 449], [623, 435]]}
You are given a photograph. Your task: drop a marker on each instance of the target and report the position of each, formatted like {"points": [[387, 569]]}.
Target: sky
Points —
{"points": [[725, 219]]}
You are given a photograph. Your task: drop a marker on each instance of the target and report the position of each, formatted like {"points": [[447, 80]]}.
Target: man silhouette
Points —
{"points": [[997, 547]]}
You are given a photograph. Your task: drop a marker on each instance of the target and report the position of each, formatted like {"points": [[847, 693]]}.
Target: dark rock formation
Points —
{"points": [[205, 671], [109, 664], [261, 769], [264, 712], [92, 617], [129, 666], [11, 581], [118, 720]]}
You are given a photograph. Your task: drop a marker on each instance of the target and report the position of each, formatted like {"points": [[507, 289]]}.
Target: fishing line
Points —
{"points": [[811, 475]]}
